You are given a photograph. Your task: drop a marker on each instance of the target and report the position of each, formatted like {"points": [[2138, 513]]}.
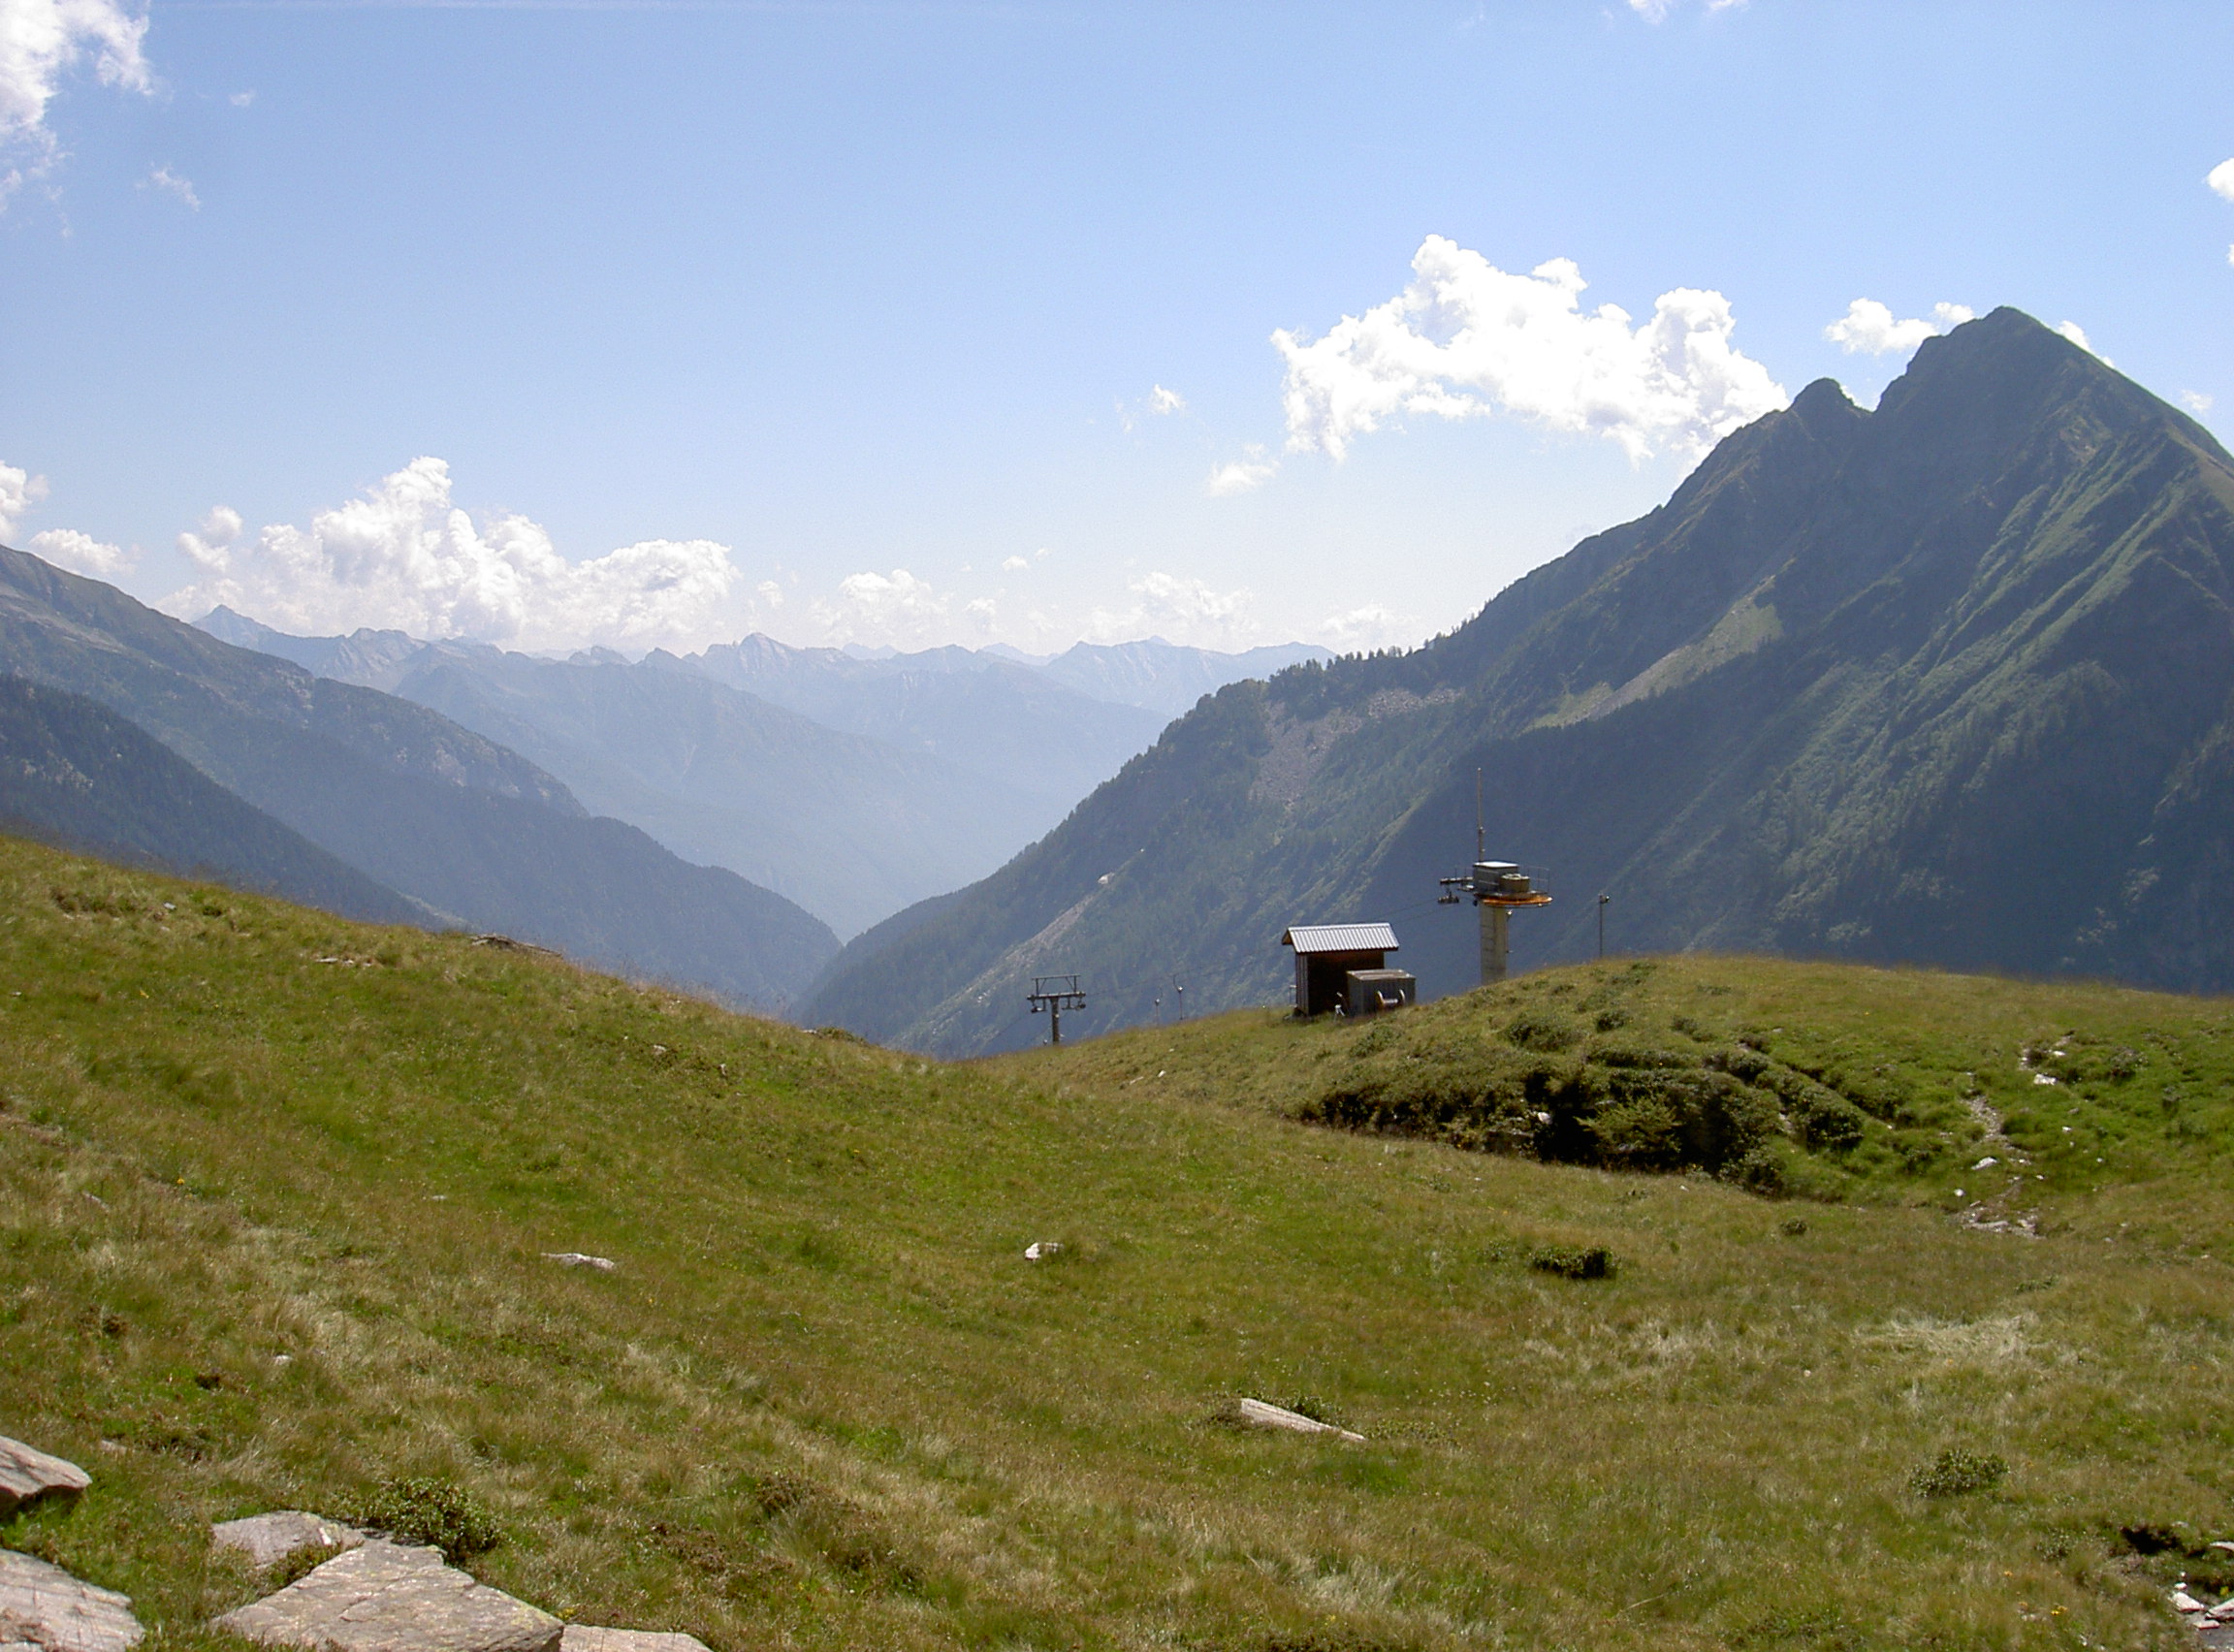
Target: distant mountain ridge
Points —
{"points": [[1950, 681], [853, 782], [458, 823]]}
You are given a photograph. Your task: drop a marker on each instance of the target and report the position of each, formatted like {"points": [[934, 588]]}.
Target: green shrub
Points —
{"points": [[1644, 1134], [1956, 1473], [433, 1513], [1573, 1261]]}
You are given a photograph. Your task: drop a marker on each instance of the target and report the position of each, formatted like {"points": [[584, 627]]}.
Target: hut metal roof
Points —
{"points": [[1340, 938]]}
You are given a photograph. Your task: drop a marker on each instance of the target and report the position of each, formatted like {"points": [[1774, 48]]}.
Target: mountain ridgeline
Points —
{"points": [[1944, 683], [414, 815]]}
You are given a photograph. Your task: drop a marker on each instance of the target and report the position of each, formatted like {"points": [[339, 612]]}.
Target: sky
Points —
{"points": [[566, 322]]}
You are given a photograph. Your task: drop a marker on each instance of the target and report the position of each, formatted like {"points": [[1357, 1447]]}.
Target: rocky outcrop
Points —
{"points": [[267, 1539], [580, 1637], [27, 1472], [43, 1608], [384, 1597]]}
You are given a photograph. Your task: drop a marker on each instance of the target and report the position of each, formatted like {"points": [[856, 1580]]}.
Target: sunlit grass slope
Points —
{"points": [[824, 1401]]}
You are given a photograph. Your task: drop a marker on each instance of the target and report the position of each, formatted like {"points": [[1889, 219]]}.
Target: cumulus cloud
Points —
{"points": [[41, 42], [2198, 400], [82, 553], [1371, 626], [1657, 11], [1868, 328], [1178, 610], [1244, 475], [2072, 331], [895, 609], [172, 183], [19, 491], [1161, 400], [2221, 178], [1013, 564], [402, 555], [1467, 340]]}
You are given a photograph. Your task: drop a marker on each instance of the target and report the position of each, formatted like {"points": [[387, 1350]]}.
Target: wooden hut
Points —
{"points": [[1344, 967]]}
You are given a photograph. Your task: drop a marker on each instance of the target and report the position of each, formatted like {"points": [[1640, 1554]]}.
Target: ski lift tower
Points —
{"points": [[1495, 887]]}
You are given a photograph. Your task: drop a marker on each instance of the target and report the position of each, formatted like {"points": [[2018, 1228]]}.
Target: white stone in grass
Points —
{"points": [[2223, 1613], [388, 1597], [27, 1472], [576, 1259], [44, 1607], [2183, 1602], [1040, 1247], [267, 1539], [1259, 1415], [582, 1638]]}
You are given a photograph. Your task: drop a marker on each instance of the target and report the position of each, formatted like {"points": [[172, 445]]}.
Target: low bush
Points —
{"points": [[1573, 1261], [433, 1514], [1957, 1472]]}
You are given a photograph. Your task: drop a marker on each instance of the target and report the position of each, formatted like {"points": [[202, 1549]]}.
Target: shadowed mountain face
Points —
{"points": [[1946, 683], [457, 822], [75, 774]]}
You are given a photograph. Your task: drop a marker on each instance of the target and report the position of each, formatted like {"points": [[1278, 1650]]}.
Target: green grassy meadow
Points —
{"points": [[275, 1192]]}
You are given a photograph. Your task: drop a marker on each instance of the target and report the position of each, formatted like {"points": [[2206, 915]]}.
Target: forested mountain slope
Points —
{"points": [[1947, 681], [407, 797]]}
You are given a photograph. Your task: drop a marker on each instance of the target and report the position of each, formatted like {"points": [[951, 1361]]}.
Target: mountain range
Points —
{"points": [[457, 829], [853, 784], [1945, 681]]}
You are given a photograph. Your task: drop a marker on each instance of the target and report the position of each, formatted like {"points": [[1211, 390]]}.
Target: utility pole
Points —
{"points": [[1495, 888], [1602, 900], [1055, 994]]}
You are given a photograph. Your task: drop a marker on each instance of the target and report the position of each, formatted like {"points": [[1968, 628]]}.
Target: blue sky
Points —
{"points": [[636, 323]]}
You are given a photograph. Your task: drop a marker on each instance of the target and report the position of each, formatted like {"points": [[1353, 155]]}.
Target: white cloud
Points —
{"points": [[241, 100], [2220, 178], [1161, 400], [40, 42], [895, 609], [1243, 475], [1363, 629], [207, 547], [1178, 610], [1467, 340], [2197, 401], [82, 553], [402, 555], [1656, 11], [2072, 331], [1013, 564], [172, 183], [19, 491], [1868, 328]]}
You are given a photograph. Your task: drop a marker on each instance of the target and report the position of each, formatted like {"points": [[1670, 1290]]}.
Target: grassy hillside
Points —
{"points": [[275, 1191]]}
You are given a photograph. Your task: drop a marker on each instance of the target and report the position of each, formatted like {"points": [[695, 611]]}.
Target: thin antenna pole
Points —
{"points": [[1481, 841]]}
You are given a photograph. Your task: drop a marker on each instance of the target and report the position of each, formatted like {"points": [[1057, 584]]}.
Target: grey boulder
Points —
{"points": [[387, 1598], [580, 1637], [45, 1608], [27, 1472], [265, 1539]]}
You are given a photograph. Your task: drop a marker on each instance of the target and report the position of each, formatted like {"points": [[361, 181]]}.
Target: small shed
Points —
{"points": [[1344, 967]]}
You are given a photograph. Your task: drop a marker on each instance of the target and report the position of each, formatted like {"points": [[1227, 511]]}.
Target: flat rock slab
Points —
{"points": [[580, 1637], [27, 1472], [1257, 1414], [44, 1606], [385, 1597], [267, 1539]]}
